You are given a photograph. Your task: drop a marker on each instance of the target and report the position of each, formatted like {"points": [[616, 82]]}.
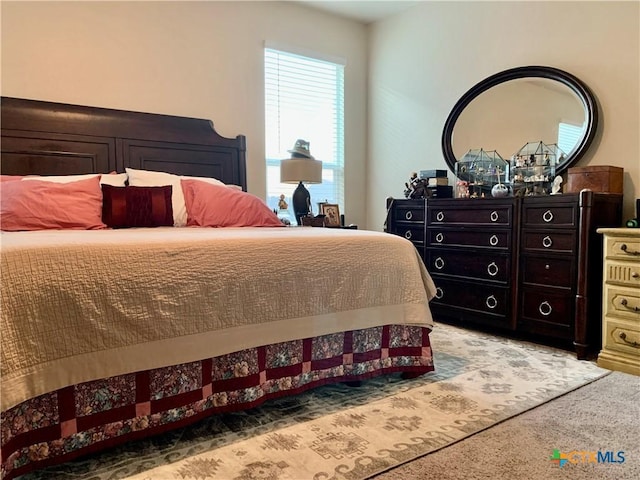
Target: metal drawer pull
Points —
{"points": [[440, 216], [408, 215], [623, 337], [547, 216], [625, 304], [635, 275], [494, 216], [439, 293], [408, 234], [439, 263], [545, 309], [491, 302], [439, 237], [493, 241], [547, 242], [624, 248], [492, 269]]}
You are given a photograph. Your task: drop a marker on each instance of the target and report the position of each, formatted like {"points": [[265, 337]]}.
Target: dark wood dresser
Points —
{"points": [[531, 265], [406, 218], [561, 265], [471, 254]]}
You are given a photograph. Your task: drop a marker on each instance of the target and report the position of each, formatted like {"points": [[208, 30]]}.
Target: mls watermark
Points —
{"points": [[587, 456]]}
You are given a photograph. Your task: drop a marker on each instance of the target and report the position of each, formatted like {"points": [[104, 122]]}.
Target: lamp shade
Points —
{"points": [[295, 170]]}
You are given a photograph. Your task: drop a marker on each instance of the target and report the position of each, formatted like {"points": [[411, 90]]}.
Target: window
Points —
{"points": [[569, 136], [304, 99]]}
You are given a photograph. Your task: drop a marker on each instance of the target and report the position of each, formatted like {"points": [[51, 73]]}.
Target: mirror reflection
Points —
{"points": [[522, 106], [507, 116]]}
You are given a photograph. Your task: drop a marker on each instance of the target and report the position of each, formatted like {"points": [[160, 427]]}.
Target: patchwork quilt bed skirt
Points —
{"points": [[77, 420]]}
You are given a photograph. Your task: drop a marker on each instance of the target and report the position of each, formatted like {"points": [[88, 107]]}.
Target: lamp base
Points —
{"points": [[301, 202]]}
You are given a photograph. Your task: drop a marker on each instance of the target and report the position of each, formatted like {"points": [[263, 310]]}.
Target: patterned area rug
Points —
{"points": [[340, 432]]}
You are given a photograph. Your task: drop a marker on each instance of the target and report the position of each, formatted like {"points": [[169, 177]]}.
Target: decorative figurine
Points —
{"points": [[519, 161], [499, 190], [417, 187], [557, 185], [282, 203], [462, 189]]}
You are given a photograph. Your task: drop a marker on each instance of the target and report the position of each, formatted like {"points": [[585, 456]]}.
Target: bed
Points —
{"points": [[114, 334]]}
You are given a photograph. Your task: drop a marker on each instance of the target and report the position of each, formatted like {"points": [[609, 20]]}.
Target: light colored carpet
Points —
{"points": [[602, 416], [339, 432]]}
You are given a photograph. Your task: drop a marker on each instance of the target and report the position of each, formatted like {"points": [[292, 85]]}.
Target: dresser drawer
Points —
{"points": [[552, 241], [623, 273], [497, 240], [469, 264], [408, 213], [546, 215], [473, 297], [412, 232], [548, 306], [557, 272], [623, 303], [623, 336], [480, 215], [623, 248]]}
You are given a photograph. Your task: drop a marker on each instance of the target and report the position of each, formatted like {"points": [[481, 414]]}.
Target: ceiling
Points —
{"points": [[367, 11]]}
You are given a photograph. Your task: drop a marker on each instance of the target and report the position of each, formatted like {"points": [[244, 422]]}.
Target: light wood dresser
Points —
{"points": [[621, 300]]}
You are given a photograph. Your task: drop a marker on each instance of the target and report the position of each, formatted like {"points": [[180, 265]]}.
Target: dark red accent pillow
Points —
{"points": [[124, 207]]}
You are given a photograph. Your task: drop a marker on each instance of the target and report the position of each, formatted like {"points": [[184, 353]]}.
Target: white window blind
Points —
{"points": [[568, 136], [304, 99]]}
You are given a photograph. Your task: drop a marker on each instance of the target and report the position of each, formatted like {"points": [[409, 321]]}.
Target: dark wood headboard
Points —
{"points": [[46, 138]]}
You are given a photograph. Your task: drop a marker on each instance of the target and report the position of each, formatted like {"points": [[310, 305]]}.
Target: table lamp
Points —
{"points": [[301, 167]]}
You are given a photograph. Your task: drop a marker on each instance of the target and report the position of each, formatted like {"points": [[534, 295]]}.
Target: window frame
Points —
{"points": [[333, 168]]}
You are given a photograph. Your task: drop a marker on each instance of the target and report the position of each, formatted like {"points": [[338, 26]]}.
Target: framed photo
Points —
{"points": [[331, 212]]}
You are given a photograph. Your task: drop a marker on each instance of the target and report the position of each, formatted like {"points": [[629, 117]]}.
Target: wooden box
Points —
{"points": [[602, 178]]}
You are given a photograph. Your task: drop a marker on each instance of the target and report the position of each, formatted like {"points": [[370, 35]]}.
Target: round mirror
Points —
{"points": [[522, 105]]}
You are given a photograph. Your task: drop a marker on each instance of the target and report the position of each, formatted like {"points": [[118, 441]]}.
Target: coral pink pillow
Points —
{"points": [[10, 178], [211, 205], [38, 205]]}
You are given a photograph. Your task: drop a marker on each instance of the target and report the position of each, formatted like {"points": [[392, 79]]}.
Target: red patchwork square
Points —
{"points": [[68, 428], [143, 409], [207, 390]]}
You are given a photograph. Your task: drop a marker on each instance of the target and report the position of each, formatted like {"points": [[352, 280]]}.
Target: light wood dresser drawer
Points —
{"points": [[621, 300], [622, 336], [623, 248], [622, 273]]}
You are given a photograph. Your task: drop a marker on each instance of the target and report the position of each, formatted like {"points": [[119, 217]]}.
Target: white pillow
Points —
{"points": [[61, 178], [115, 179], [148, 178], [214, 181]]}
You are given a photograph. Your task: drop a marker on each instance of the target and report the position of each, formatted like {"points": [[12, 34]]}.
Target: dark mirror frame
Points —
{"points": [[577, 86]]}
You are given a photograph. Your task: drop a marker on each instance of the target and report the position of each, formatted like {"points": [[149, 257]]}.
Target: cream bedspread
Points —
{"points": [[83, 305]]}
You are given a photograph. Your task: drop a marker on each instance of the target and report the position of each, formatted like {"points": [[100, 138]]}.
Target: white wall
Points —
{"points": [[204, 59], [424, 59], [196, 59]]}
